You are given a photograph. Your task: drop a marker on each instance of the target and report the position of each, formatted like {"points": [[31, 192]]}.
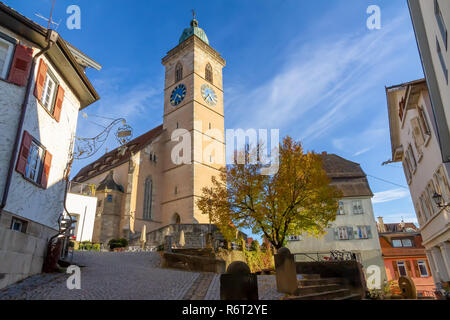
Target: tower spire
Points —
{"points": [[194, 23]]}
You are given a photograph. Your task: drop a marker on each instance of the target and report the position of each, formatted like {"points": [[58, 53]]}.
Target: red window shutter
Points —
{"points": [[40, 79], [24, 152], [395, 267], [416, 269], [58, 103], [46, 170], [21, 65]]}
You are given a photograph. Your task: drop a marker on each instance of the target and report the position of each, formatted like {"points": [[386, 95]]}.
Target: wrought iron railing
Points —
{"points": [[334, 255], [82, 188]]}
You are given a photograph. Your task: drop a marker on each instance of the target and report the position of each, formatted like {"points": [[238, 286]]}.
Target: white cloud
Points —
{"points": [[390, 195], [360, 152], [321, 83]]}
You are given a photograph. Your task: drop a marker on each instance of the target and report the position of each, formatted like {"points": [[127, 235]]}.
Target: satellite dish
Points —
{"points": [[408, 288]]}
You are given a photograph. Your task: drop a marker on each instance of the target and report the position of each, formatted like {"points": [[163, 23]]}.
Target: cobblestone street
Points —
{"points": [[124, 276]]}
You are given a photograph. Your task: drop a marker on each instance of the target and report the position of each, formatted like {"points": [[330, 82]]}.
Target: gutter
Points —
{"points": [[51, 39]]}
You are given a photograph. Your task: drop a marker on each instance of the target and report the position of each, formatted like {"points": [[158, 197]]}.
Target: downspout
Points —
{"points": [[51, 39]]}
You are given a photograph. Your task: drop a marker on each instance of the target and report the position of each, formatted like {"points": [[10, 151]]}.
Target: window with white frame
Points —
{"points": [[442, 184], [35, 162], [441, 22], [423, 121], [423, 268], [412, 158], [364, 232], [6, 54], [49, 92], [357, 207], [341, 210], [407, 169], [430, 190], [342, 233], [402, 268], [442, 60], [19, 225], [426, 205], [400, 243]]}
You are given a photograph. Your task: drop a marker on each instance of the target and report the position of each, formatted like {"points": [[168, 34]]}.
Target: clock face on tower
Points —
{"points": [[209, 95], [178, 94]]}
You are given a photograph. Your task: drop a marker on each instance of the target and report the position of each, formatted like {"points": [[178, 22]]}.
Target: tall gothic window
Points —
{"points": [[208, 73], [178, 72], [148, 190]]}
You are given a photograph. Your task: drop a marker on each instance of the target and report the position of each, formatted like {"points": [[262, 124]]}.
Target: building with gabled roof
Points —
{"points": [[404, 255], [414, 139], [355, 228], [43, 86]]}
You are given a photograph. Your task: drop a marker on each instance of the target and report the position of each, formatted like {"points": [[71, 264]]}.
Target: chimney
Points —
{"points": [[381, 226]]}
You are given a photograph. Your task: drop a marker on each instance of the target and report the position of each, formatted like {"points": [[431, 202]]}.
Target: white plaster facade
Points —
{"points": [[82, 208], [30, 210], [414, 143], [431, 21], [367, 250]]}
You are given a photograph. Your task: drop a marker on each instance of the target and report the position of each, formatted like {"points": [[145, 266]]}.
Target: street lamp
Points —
{"points": [[438, 199]]}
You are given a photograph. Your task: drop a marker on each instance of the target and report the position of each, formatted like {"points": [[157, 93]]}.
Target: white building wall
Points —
{"points": [[369, 249], [26, 199], [84, 208]]}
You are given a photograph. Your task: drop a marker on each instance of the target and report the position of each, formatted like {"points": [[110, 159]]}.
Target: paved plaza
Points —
{"points": [[127, 275]]}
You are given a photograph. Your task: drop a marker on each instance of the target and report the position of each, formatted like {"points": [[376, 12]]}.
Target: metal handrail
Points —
{"points": [[333, 255]]}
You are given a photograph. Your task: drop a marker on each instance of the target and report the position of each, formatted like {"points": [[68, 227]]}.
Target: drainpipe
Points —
{"points": [[51, 38]]}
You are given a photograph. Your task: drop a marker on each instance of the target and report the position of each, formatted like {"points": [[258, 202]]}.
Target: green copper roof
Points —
{"points": [[194, 29]]}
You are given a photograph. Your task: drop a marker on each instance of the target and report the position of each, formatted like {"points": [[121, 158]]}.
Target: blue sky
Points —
{"points": [[310, 68]]}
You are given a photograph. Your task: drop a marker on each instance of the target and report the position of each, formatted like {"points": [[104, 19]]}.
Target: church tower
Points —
{"points": [[193, 106]]}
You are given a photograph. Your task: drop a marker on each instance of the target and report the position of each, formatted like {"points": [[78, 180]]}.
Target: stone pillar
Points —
{"points": [[438, 260], [286, 273], [445, 251], [434, 270], [168, 244], [238, 283]]}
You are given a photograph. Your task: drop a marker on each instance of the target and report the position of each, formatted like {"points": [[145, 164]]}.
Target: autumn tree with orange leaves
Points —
{"points": [[295, 200]]}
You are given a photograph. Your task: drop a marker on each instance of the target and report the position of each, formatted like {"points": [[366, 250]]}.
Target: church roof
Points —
{"points": [[117, 156], [346, 175], [194, 30]]}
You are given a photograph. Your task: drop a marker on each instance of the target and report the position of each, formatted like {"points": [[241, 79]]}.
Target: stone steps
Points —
{"points": [[309, 276], [319, 281], [353, 296], [326, 295], [317, 289]]}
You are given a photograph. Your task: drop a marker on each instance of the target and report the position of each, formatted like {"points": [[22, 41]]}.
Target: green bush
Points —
{"points": [[118, 243], [258, 260], [96, 247]]}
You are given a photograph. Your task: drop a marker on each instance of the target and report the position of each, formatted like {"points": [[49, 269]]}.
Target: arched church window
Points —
{"points": [[178, 72], [208, 73], [176, 219], [148, 190]]}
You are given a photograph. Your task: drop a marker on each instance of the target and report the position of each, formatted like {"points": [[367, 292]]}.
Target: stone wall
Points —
{"points": [[349, 270], [21, 253], [194, 235]]}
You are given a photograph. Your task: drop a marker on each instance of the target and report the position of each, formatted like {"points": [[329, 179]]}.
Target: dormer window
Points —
{"points": [[399, 243], [178, 72]]}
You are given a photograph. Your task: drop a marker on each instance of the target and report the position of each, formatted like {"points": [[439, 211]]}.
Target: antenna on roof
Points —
{"points": [[50, 21]]}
